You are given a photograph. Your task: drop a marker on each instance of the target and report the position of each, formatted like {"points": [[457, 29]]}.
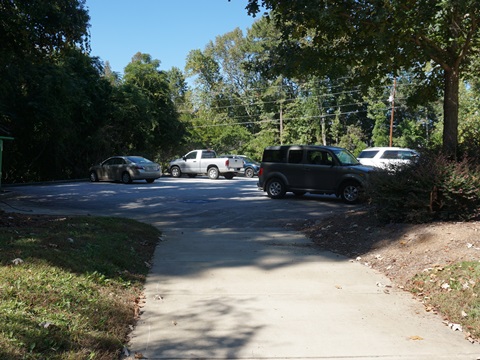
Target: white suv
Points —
{"points": [[382, 157]]}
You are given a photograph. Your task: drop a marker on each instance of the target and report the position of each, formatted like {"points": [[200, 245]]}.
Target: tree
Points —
{"points": [[376, 38], [159, 129], [50, 89]]}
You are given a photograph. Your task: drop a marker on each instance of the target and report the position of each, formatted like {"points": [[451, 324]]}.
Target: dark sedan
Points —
{"points": [[126, 169]]}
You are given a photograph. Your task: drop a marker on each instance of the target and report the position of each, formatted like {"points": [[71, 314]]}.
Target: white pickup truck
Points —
{"points": [[205, 162]]}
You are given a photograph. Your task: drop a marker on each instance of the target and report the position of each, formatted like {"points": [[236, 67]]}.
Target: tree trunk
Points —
{"points": [[450, 113], [324, 131]]}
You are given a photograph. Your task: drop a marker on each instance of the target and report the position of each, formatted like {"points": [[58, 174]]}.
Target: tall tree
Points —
{"points": [[49, 87], [160, 129], [376, 38]]}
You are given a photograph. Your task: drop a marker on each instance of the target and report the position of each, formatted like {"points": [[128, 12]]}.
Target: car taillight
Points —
{"points": [[260, 172], [227, 163]]}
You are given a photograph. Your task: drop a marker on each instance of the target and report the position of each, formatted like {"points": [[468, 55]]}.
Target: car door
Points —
{"points": [[294, 170], [119, 167], [320, 171], [106, 169], [192, 163]]}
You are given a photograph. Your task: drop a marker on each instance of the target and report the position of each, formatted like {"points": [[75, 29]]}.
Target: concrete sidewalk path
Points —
{"points": [[269, 294]]}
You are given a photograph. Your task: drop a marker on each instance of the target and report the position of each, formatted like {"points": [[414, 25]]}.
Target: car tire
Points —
{"points": [[276, 189], [149, 180], [249, 172], [175, 171], [93, 176], [126, 178], [228, 176], [350, 192], [213, 173]]}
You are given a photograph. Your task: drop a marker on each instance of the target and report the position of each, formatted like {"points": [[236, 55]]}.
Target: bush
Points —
{"points": [[434, 188]]}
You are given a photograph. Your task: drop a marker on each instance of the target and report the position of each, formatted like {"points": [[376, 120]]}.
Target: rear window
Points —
{"points": [[208, 154], [369, 154], [275, 155], [137, 160]]}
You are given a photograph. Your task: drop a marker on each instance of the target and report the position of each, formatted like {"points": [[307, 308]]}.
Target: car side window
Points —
{"points": [[390, 154], [192, 155], [295, 156], [317, 157], [110, 162]]}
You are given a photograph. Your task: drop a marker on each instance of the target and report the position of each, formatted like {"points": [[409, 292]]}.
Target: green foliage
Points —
{"points": [[434, 188], [353, 140], [371, 39]]}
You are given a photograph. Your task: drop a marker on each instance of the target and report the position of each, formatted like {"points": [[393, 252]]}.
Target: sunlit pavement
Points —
{"points": [[237, 294]]}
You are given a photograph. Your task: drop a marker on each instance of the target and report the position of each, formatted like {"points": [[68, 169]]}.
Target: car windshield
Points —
{"points": [[346, 157]]}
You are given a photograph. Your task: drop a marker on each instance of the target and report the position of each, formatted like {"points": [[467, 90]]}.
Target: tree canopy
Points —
{"points": [[373, 39]]}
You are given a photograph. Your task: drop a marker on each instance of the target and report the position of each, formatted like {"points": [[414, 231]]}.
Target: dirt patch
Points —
{"points": [[400, 251]]}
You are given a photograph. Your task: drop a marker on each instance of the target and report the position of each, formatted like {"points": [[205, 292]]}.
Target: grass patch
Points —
{"points": [[68, 286], [454, 292]]}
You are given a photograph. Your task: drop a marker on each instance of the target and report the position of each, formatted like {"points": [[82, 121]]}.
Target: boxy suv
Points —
{"points": [[313, 169]]}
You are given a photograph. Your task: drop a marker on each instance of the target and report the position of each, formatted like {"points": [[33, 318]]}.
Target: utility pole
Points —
{"points": [[392, 99], [281, 123]]}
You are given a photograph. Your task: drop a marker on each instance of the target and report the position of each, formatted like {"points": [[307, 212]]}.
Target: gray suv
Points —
{"points": [[314, 169]]}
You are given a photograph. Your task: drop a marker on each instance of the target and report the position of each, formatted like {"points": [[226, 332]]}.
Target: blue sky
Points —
{"points": [[165, 29]]}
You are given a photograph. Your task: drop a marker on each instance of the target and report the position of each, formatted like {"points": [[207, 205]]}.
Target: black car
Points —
{"points": [[314, 169]]}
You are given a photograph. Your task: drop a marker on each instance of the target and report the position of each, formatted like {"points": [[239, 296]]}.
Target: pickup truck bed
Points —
{"points": [[205, 162]]}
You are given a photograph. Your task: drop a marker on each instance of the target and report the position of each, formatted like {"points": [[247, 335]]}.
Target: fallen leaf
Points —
{"points": [[415, 337]]}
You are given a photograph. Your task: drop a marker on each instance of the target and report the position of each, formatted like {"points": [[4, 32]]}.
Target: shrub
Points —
{"points": [[434, 188]]}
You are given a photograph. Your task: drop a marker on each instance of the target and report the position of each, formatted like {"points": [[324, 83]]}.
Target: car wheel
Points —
{"points": [[249, 172], [213, 173], [126, 178], [192, 175], [350, 192], [276, 189], [93, 176], [175, 171], [229, 176], [149, 180]]}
